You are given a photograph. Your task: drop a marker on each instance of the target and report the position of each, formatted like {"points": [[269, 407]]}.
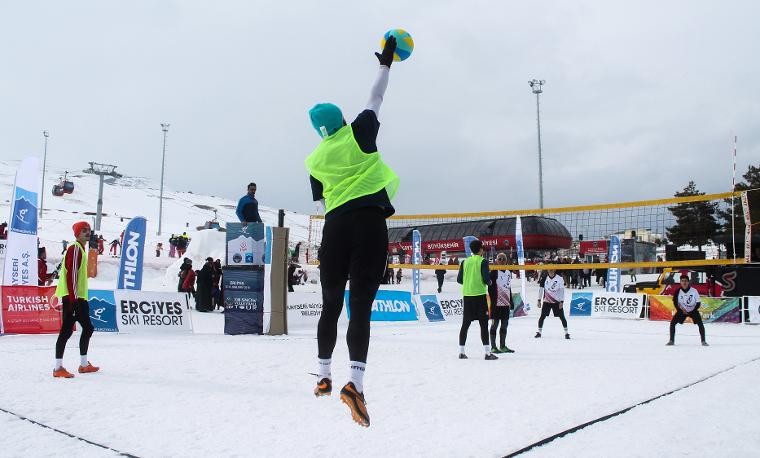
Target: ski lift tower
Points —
{"points": [[102, 170]]}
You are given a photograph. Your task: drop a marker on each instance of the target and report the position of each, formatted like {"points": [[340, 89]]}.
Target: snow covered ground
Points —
{"points": [[208, 394]]}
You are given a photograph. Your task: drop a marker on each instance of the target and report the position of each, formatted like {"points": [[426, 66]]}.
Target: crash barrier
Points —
{"points": [[36, 310]]}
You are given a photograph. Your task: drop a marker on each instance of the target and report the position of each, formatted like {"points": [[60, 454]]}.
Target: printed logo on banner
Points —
{"points": [[243, 312], [132, 252], [245, 244], [432, 307], [613, 274], [103, 310], [621, 305], [24, 218], [389, 305], [30, 310], [151, 311], [580, 304], [451, 306]]}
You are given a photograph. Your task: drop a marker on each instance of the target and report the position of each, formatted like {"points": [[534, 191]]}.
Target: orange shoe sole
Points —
{"points": [[356, 410]]}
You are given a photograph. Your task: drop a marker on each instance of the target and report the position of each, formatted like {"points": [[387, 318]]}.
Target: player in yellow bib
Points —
{"points": [[354, 186]]}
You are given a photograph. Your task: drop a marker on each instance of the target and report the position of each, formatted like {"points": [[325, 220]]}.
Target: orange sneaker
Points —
{"points": [[62, 372], [324, 387], [355, 401], [88, 368]]}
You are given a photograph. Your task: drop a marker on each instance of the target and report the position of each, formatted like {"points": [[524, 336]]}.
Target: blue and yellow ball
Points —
{"points": [[404, 44]]}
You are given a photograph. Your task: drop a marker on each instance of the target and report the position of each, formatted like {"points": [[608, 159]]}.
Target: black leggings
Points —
{"points": [[558, 312], [355, 247], [502, 332], [680, 317], [72, 313], [483, 322]]}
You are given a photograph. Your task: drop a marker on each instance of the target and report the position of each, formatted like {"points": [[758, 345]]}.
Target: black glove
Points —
{"points": [[386, 57]]}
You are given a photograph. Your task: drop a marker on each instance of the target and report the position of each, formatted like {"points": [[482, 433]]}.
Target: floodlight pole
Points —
{"points": [[165, 129], [46, 134], [536, 86]]}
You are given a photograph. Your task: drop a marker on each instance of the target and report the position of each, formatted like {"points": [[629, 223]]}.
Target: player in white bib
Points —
{"points": [[552, 300], [500, 293], [686, 300]]}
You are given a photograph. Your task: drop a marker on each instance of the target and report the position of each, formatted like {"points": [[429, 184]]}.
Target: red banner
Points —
{"points": [[31, 310]]}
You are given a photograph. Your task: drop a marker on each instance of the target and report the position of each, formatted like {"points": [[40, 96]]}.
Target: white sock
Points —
{"points": [[487, 349], [566, 331], [323, 368], [83, 360], [461, 349], [357, 374], [58, 363]]}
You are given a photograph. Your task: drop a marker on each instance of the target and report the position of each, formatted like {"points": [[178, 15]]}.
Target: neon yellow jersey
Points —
{"points": [[472, 281], [62, 289], [346, 172]]}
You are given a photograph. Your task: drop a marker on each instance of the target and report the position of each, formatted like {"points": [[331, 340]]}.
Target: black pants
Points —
{"points": [[502, 331], [440, 281], [72, 313], [355, 247], [558, 312], [680, 317], [475, 308]]}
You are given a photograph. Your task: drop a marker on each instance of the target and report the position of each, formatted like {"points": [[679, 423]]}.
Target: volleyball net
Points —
{"points": [[676, 232]]}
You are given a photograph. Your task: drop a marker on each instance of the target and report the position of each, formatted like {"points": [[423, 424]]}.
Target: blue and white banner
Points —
{"points": [[103, 310], [20, 268], [431, 306], [521, 260], [601, 304], [613, 274], [416, 260], [389, 305], [132, 255], [244, 292], [467, 239]]}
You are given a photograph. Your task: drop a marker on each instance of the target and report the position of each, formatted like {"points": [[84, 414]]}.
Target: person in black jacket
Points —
{"points": [[440, 274], [204, 281]]}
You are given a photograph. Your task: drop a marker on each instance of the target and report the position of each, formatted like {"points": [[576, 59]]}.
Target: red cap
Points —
{"points": [[79, 226]]}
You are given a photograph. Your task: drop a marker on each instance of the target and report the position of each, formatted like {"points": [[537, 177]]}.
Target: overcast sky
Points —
{"points": [[640, 97]]}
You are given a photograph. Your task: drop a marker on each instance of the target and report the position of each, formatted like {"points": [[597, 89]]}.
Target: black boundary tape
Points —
{"points": [[554, 437], [73, 436]]}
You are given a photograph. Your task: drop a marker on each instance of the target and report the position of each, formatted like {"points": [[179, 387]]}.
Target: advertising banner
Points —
{"points": [[613, 274], [30, 310], [389, 305], [452, 305], [431, 306], [132, 251], [753, 307], [103, 310], [243, 301], [416, 260], [521, 308], [607, 305], [245, 244], [747, 229], [20, 267], [139, 311], [713, 309]]}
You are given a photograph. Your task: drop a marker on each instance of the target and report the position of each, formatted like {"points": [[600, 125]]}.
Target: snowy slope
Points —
{"points": [[124, 198]]}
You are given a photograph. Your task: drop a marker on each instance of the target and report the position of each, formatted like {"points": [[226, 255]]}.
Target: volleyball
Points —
{"points": [[404, 44]]}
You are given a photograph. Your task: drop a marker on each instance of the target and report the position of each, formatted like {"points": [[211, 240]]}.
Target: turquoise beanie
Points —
{"points": [[327, 116]]}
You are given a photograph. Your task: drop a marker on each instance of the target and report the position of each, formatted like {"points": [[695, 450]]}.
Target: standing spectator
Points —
{"points": [[73, 291], [3, 231], [216, 293], [399, 274], [182, 242], [440, 274], [159, 249], [101, 244], [43, 278], [205, 280], [187, 264], [188, 282], [297, 252], [121, 238], [292, 279], [172, 246], [247, 209], [64, 245], [114, 248]]}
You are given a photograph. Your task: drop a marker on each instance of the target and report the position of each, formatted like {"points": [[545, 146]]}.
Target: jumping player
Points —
{"points": [[500, 292], [355, 187], [553, 298], [686, 300], [72, 289], [474, 278]]}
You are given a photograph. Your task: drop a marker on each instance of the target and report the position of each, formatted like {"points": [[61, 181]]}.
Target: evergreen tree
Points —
{"points": [[696, 223]]}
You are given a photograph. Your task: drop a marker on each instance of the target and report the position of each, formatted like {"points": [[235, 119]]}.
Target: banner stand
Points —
{"points": [[278, 323]]}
